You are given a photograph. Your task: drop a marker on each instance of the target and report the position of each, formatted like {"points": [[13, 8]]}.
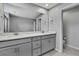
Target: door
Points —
{"points": [[48, 44], [25, 49], [51, 43], [45, 45], [7, 52]]}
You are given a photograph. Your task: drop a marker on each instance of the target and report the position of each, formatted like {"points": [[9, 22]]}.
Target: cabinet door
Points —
{"points": [[7, 52], [51, 43], [25, 49], [45, 45], [36, 52], [48, 44]]}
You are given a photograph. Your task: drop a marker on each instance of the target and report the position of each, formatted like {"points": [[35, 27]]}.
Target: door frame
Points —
{"points": [[73, 5]]}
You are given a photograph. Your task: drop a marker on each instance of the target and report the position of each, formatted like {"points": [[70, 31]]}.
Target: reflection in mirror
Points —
{"points": [[22, 17], [6, 22]]}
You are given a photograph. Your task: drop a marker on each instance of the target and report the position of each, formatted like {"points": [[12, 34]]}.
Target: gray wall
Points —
{"points": [[71, 24], [19, 24]]}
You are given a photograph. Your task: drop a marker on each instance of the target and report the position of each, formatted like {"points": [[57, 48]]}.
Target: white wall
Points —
{"points": [[44, 22], [71, 23], [19, 24], [1, 18], [55, 14]]}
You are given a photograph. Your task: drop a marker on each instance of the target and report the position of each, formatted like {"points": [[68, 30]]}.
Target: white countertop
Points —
{"points": [[10, 36]]}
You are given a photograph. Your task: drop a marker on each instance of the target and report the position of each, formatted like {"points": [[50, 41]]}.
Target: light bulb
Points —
{"points": [[46, 4]]}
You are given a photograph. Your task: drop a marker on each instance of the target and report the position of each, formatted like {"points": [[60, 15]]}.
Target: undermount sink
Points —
{"points": [[43, 32], [15, 34], [9, 34]]}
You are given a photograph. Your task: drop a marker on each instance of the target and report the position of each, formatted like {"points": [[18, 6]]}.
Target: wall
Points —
{"points": [[44, 22], [71, 23], [55, 14], [19, 24], [1, 18]]}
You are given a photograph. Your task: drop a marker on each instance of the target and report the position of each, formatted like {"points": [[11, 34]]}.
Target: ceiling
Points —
{"points": [[46, 5], [27, 10]]}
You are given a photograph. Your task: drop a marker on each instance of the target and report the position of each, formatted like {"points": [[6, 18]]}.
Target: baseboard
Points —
{"points": [[73, 47], [56, 49]]}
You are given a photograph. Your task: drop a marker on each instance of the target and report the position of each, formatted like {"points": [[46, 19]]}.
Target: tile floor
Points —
{"points": [[50, 53], [67, 52]]}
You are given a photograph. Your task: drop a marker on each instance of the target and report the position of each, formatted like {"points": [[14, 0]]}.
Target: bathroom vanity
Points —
{"points": [[16, 22], [32, 44]]}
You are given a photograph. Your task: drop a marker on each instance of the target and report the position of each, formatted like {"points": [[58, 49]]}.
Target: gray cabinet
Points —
{"points": [[8, 52], [25, 49], [19, 47], [52, 43], [36, 46], [48, 44], [45, 45], [17, 50], [36, 52]]}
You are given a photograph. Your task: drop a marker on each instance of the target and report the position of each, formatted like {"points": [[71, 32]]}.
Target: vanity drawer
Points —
{"points": [[14, 42], [36, 38], [52, 36], [36, 52], [36, 44], [45, 36], [48, 36]]}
